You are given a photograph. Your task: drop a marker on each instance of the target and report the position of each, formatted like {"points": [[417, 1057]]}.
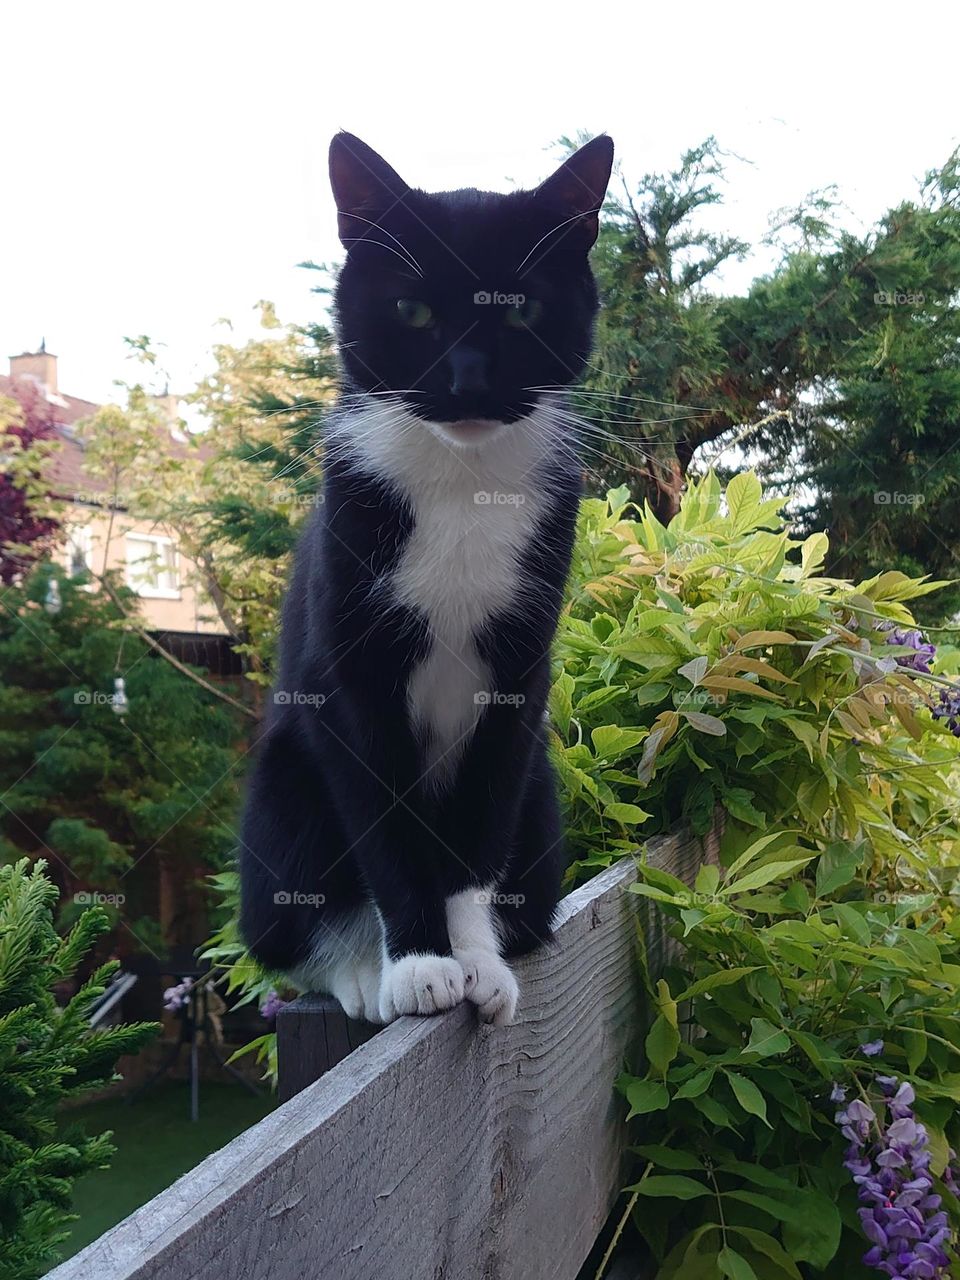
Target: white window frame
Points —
{"points": [[142, 549]]}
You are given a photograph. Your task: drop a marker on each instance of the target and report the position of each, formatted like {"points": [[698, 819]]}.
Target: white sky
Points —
{"points": [[165, 164]]}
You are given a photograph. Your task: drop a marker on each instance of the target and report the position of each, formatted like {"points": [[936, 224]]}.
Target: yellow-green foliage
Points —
{"points": [[714, 663]]}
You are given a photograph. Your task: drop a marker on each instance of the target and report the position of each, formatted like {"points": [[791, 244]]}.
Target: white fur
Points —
{"points": [[460, 565], [419, 984], [488, 981], [346, 963]]}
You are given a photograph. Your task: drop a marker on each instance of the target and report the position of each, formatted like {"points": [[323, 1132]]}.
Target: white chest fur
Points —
{"points": [[475, 511]]}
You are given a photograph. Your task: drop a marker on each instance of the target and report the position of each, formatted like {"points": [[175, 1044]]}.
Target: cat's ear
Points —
{"points": [[579, 185], [364, 185]]}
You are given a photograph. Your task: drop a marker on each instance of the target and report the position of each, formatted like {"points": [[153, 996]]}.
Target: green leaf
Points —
{"points": [[662, 1043], [738, 802], [915, 1047], [628, 814], [561, 702], [757, 1174], [852, 923], [796, 898], [767, 1040], [610, 741], [782, 1210], [672, 1186], [734, 1265], [715, 1111], [815, 1236], [719, 978], [825, 1058], [760, 1242], [696, 1085], [645, 1096], [764, 875], [669, 1158], [708, 877], [744, 493], [838, 865], [749, 1096], [754, 850], [813, 551]]}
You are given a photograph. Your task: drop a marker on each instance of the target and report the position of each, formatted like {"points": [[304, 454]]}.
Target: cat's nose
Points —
{"points": [[468, 371]]}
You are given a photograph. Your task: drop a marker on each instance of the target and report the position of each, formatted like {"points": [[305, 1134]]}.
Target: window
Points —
{"points": [[152, 566]]}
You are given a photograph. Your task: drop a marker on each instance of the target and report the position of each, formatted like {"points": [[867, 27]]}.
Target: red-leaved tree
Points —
{"points": [[27, 433]]}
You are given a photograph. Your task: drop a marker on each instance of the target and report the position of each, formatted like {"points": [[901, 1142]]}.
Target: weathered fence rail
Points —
{"points": [[440, 1148]]}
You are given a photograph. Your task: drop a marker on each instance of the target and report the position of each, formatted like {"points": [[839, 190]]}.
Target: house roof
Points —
{"points": [[68, 475]]}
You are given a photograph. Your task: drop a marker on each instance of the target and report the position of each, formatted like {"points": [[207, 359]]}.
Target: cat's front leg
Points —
{"points": [[488, 980], [419, 975]]}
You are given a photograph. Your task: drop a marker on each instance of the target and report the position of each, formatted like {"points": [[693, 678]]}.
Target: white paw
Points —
{"points": [[490, 985], [357, 987], [369, 978], [346, 989], [419, 984]]}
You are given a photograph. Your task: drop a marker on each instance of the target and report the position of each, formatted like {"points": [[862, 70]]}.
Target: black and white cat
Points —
{"points": [[401, 838]]}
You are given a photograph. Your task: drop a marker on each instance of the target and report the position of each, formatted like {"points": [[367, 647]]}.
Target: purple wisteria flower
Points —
{"points": [[923, 651], [900, 1213], [948, 709], [872, 1048], [272, 1005], [177, 997]]}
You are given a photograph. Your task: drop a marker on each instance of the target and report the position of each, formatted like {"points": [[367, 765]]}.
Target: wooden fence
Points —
{"points": [[439, 1149]]}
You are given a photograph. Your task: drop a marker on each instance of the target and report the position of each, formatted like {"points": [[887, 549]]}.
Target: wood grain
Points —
{"points": [[441, 1149]]}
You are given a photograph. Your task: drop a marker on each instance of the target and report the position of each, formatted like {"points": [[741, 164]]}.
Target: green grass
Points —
{"points": [[156, 1142]]}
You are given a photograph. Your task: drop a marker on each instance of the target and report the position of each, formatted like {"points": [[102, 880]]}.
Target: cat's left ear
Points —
{"points": [[364, 185], [579, 185]]}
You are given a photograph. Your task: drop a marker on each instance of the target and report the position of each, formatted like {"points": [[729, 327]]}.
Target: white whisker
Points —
{"points": [[584, 214], [413, 262], [380, 244]]}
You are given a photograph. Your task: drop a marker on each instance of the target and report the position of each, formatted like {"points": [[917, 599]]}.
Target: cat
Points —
{"points": [[401, 840]]}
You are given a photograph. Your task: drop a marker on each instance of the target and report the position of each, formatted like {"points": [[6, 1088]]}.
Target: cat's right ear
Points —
{"points": [[364, 185]]}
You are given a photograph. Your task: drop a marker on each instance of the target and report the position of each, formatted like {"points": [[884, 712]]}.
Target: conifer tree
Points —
{"points": [[47, 1054]]}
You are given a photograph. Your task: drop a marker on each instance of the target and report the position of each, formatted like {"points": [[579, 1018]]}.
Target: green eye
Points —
{"points": [[416, 315], [524, 315]]}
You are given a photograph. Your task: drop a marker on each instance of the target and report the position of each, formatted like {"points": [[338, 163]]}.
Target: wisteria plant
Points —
{"points": [[711, 671]]}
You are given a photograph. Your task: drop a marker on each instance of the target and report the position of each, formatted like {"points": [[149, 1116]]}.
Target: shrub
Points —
{"points": [[712, 669], [47, 1054]]}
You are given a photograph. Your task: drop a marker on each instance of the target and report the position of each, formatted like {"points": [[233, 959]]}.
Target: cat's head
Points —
{"points": [[464, 303]]}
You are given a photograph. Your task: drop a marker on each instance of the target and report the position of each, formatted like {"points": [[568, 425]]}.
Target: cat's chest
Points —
{"points": [[461, 563], [461, 568], [474, 516]]}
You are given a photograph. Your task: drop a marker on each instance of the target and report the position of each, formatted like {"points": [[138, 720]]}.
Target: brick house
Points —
{"points": [[100, 535]]}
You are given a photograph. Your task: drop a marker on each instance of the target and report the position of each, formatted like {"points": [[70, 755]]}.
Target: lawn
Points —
{"points": [[156, 1142]]}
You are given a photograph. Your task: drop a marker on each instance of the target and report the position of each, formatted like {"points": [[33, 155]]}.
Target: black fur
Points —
{"points": [[338, 807]]}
